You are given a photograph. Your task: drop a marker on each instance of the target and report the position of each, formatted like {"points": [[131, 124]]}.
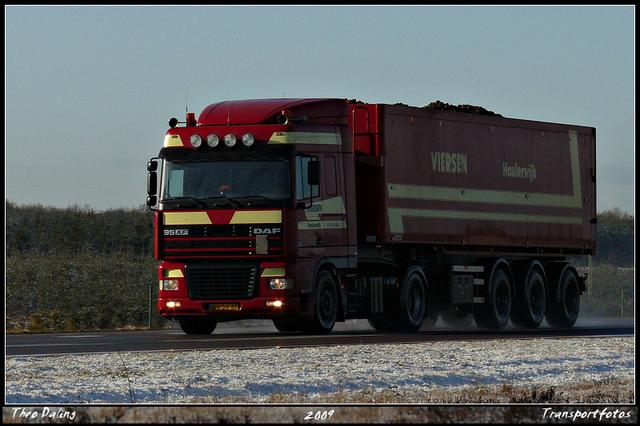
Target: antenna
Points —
{"points": [[186, 100], [228, 118]]}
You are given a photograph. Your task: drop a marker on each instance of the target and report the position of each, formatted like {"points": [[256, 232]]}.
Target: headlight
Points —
{"points": [[280, 284], [248, 139], [213, 140], [230, 140], [196, 141], [168, 284]]}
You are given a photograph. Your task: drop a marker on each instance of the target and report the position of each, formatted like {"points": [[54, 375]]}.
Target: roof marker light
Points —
{"points": [[248, 139], [213, 140], [196, 141], [230, 140]]}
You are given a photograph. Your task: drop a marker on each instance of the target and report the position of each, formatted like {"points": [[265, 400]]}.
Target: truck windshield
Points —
{"points": [[226, 184]]}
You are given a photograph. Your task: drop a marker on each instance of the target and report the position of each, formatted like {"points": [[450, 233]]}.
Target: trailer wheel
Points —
{"points": [[430, 319], [382, 323], [413, 302], [198, 325], [530, 309], [325, 306], [564, 305], [495, 312]]}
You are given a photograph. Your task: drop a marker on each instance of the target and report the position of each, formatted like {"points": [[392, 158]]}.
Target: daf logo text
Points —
{"points": [[267, 231]]}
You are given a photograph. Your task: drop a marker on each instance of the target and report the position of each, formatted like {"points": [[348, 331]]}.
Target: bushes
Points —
{"points": [[80, 291], [612, 292], [76, 230], [614, 239], [76, 269]]}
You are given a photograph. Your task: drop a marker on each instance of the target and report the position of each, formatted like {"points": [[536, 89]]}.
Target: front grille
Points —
{"points": [[210, 241], [220, 282]]}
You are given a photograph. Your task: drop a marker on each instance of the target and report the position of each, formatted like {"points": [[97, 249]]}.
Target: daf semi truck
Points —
{"points": [[310, 212]]}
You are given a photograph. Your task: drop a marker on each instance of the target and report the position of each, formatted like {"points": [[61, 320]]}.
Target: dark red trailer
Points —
{"points": [[469, 180], [312, 211]]}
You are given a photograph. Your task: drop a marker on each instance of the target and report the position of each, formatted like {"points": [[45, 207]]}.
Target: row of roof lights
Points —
{"points": [[229, 140]]}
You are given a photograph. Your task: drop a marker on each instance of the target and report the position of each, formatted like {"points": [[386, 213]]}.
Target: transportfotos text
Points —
{"points": [[598, 414]]}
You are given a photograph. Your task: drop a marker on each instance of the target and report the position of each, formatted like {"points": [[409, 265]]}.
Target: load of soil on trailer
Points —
{"points": [[470, 109]]}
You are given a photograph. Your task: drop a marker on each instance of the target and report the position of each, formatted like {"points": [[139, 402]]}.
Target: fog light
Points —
{"points": [[274, 303], [172, 304]]}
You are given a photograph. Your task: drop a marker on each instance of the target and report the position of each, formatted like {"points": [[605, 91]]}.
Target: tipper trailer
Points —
{"points": [[312, 211]]}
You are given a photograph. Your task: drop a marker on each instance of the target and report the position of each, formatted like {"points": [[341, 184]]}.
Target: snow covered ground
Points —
{"points": [[421, 372]]}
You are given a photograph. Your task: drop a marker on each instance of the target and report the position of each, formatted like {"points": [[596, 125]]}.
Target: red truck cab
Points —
{"points": [[239, 203]]}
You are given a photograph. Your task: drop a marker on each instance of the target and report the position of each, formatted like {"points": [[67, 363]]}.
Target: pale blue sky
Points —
{"points": [[89, 90]]}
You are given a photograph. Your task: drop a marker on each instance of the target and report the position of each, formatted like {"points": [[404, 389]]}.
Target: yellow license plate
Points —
{"points": [[224, 306]]}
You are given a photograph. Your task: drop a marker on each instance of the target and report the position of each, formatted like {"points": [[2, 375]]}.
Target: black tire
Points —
{"points": [[325, 306], [413, 301], [564, 305], [286, 325], [529, 311], [430, 319], [198, 325], [383, 323], [494, 313]]}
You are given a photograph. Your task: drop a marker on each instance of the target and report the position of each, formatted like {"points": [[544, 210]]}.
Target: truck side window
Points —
{"points": [[330, 182], [175, 183], [303, 189]]}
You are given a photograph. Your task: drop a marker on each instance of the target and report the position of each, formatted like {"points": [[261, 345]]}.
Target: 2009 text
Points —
{"points": [[319, 415]]}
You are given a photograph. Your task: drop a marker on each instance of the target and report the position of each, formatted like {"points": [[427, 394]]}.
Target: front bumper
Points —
{"points": [[259, 307]]}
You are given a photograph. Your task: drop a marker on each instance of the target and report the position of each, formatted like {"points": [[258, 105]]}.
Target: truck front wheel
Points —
{"points": [[198, 325], [325, 306], [286, 325]]}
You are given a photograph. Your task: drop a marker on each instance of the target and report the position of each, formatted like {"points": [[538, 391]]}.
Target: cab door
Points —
{"points": [[310, 229], [322, 218], [332, 213]]}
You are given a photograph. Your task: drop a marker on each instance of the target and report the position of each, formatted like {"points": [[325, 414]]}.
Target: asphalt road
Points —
{"points": [[263, 335]]}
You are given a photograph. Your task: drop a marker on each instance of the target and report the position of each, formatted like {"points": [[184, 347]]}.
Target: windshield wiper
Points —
{"points": [[251, 200], [180, 199], [214, 201]]}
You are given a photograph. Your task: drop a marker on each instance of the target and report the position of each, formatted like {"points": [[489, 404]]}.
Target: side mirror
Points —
{"points": [[313, 180], [313, 173], [152, 183]]}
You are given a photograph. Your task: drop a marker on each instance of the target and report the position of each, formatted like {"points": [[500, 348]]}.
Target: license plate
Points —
{"points": [[224, 306]]}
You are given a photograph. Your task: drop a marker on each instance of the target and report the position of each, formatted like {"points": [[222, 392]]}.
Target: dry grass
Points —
{"points": [[506, 403], [609, 391], [513, 405]]}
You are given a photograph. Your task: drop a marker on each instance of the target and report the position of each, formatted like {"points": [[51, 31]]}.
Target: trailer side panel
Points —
{"points": [[466, 180]]}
